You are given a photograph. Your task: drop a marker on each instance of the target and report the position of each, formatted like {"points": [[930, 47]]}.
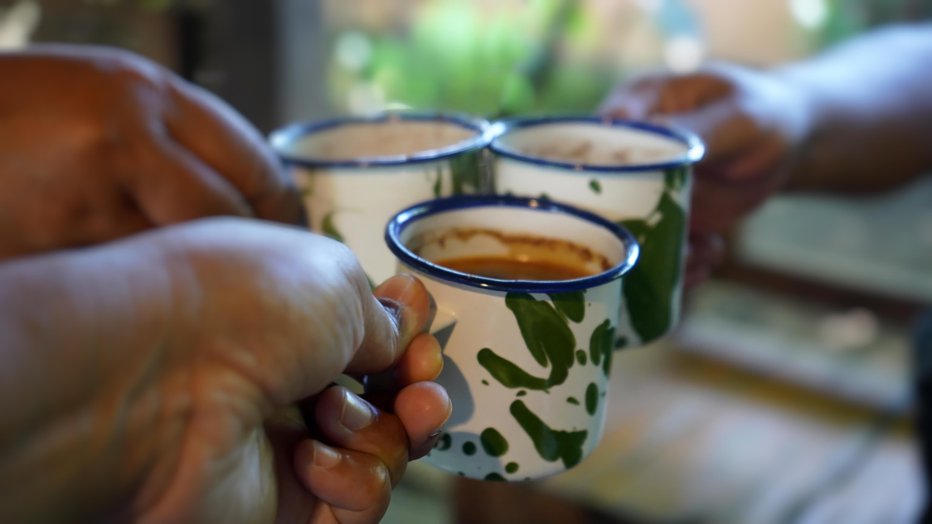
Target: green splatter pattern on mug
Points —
{"points": [[526, 363], [545, 323], [652, 290], [636, 174]]}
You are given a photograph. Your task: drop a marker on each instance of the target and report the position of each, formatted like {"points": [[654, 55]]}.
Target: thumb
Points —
{"points": [[721, 126], [397, 311]]}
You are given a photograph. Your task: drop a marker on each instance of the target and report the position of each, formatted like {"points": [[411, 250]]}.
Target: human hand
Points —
{"points": [[303, 314], [753, 125], [259, 318], [100, 143]]}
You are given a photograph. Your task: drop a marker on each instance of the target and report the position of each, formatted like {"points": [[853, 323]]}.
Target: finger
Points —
{"points": [[348, 421], [421, 361], [704, 103], [130, 222], [665, 94], [423, 409], [718, 206], [116, 216], [174, 186], [692, 92], [353, 485], [706, 251], [224, 140], [402, 310], [635, 100], [725, 131], [759, 160], [657, 99], [725, 192], [627, 104], [412, 303]]}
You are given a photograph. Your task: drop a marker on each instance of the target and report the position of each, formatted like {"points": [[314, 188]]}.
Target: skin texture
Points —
{"points": [[177, 359], [99, 144], [849, 121], [162, 367]]}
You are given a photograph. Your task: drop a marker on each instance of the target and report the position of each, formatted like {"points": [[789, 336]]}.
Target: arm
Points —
{"points": [[870, 112], [853, 120], [856, 118]]}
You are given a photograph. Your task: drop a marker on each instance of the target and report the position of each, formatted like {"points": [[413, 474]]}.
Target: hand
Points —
{"points": [[753, 125], [281, 313], [99, 144], [158, 379]]}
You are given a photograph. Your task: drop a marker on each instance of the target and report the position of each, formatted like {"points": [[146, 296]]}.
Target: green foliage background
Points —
{"points": [[458, 57]]}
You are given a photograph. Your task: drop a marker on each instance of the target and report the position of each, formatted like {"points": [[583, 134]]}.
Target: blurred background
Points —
{"points": [[784, 396]]}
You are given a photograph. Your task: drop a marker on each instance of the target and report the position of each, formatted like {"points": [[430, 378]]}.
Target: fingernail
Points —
{"points": [[324, 456], [449, 412], [404, 290], [392, 306], [433, 439], [356, 413]]}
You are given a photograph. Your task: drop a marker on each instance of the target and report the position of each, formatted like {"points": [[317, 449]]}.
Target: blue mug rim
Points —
{"points": [[695, 149], [280, 138], [422, 210]]}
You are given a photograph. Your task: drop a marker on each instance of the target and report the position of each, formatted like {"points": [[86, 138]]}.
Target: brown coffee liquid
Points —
{"points": [[509, 268]]}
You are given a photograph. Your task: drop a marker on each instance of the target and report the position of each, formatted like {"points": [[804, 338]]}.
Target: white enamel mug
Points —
{"points": [[636, 174], [526, 362], [356, 172]]}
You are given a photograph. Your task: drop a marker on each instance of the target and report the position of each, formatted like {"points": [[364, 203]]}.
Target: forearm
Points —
{"points": [[869, 113], [80, 335]]}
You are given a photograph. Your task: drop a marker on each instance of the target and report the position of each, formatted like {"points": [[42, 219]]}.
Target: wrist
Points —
{"points": [[87, 347]]}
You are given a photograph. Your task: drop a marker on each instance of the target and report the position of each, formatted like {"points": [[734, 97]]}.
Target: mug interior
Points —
{"points": [[487, 226], [596, 143]]}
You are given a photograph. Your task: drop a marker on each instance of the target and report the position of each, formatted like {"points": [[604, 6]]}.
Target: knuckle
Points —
{"points": [[145, 76]]}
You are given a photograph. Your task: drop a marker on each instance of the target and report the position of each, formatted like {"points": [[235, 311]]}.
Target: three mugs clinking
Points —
{"points": [[546, 243]]}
